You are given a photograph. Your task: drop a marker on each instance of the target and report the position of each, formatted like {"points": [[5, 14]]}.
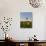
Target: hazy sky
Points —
{"points": [[24, 15]]}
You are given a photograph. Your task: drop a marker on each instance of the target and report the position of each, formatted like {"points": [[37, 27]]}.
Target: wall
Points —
{"points": [[45, 28], [12, 8]]}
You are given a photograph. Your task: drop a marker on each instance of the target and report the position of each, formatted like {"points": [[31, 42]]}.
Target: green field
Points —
{"points": [[26, 24]]}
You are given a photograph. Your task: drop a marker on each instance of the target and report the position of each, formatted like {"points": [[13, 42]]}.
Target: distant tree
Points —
{"points": [[27, 18]]}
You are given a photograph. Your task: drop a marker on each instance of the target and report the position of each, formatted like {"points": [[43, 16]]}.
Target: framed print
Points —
{"points": [[26, 20]]}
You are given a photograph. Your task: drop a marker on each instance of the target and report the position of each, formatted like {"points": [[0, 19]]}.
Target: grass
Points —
{"points": [[26, 24]]}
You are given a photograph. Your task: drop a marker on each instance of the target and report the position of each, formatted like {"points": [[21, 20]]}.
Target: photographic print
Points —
{"points": [[26, 19]]}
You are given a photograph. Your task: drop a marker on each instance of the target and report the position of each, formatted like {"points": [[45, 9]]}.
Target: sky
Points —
{"points": [[24, 15]]}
